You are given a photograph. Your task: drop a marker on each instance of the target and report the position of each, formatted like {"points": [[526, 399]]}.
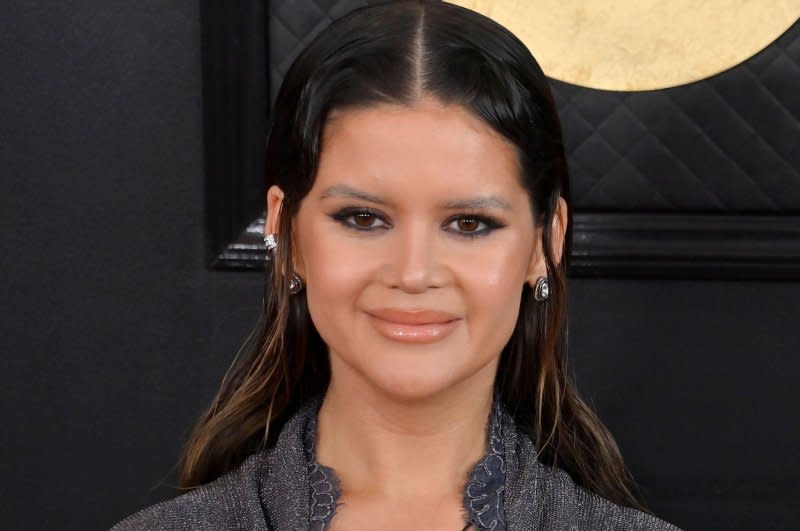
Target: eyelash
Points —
{"points": [[344, 216]]}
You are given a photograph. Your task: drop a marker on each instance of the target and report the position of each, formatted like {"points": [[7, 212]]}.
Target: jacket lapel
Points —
{"points": [[284, 486]]}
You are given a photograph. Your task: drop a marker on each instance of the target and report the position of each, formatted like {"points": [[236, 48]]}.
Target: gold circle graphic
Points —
{"points": [[632, 45]]}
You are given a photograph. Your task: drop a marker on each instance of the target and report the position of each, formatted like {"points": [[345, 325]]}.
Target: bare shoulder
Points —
{"points": [[229, 502]]}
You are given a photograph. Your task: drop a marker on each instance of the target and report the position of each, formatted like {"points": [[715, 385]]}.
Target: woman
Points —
{"points": [[408, 369]]}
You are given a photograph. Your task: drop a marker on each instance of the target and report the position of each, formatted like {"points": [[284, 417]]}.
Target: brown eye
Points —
{"points": [[468, 224], [360, 219], [364, 220]]}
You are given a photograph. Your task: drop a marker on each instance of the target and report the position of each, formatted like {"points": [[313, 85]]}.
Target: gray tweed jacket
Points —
{"points": [[270, 492]]}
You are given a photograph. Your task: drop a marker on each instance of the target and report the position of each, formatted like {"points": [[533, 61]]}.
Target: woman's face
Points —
{"points": [[414, 244]]}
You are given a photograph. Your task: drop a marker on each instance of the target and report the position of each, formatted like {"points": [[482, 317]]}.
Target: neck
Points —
{"points": [[380, 445]]}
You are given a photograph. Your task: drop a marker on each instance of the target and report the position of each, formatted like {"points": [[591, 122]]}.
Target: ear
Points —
{"points": [[558, 230], [271, 226], [274, 204]]}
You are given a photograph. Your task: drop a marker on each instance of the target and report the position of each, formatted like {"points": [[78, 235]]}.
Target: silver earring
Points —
{"points": [[295, 284], [542, 289], [270, 242]]}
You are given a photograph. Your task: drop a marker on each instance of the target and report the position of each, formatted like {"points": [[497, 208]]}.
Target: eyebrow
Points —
{"points": [[477, 203], [342, 190]]}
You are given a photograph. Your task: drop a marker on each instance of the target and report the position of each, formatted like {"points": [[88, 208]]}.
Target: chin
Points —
{"points": [[412, 389], [416, 382]]}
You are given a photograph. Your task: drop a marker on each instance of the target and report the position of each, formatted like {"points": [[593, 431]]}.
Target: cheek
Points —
{"points": [[500, 269], [335, 271], [330, 270], [492, 284]]}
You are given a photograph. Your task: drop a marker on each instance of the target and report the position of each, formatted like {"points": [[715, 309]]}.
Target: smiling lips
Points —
{"points": [[418, 326]]}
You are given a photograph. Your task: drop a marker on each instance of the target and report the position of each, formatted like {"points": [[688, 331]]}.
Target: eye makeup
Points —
{"points": [[466, 225], [476, 225], [356, 218]]}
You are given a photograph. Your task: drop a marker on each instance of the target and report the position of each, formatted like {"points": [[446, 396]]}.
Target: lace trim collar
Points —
{"points": [[483, 495], [324, 484]]}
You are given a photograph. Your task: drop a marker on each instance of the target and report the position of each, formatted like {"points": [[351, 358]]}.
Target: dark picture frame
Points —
{"points": [[610, 243]]}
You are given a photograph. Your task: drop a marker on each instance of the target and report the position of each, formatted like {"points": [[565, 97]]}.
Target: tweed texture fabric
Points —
{"points": [[272, 491]]}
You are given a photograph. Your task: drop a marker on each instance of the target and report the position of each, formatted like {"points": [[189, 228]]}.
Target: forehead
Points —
{"points": [[428, 148]]}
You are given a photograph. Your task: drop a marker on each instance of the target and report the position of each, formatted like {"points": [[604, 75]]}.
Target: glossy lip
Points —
{"points": [[413, 326]]}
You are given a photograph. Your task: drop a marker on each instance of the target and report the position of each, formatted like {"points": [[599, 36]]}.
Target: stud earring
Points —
{"points": [[542, 289], [295, 284]]}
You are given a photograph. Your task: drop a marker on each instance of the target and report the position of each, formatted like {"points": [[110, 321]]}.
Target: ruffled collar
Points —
{"points": [[483, 494]]}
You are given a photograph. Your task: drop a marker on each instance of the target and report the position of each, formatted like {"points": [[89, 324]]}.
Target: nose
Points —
{"points": [[415, 260]]}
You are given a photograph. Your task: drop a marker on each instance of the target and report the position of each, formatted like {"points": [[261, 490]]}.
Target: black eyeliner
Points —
{"points": [[491, 223], [342, 216]]}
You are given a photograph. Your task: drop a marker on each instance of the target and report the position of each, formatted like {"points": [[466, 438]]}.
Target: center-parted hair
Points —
{"points": [[398, 53]]}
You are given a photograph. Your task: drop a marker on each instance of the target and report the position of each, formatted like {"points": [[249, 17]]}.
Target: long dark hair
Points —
{"points": [[396, 53]]}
